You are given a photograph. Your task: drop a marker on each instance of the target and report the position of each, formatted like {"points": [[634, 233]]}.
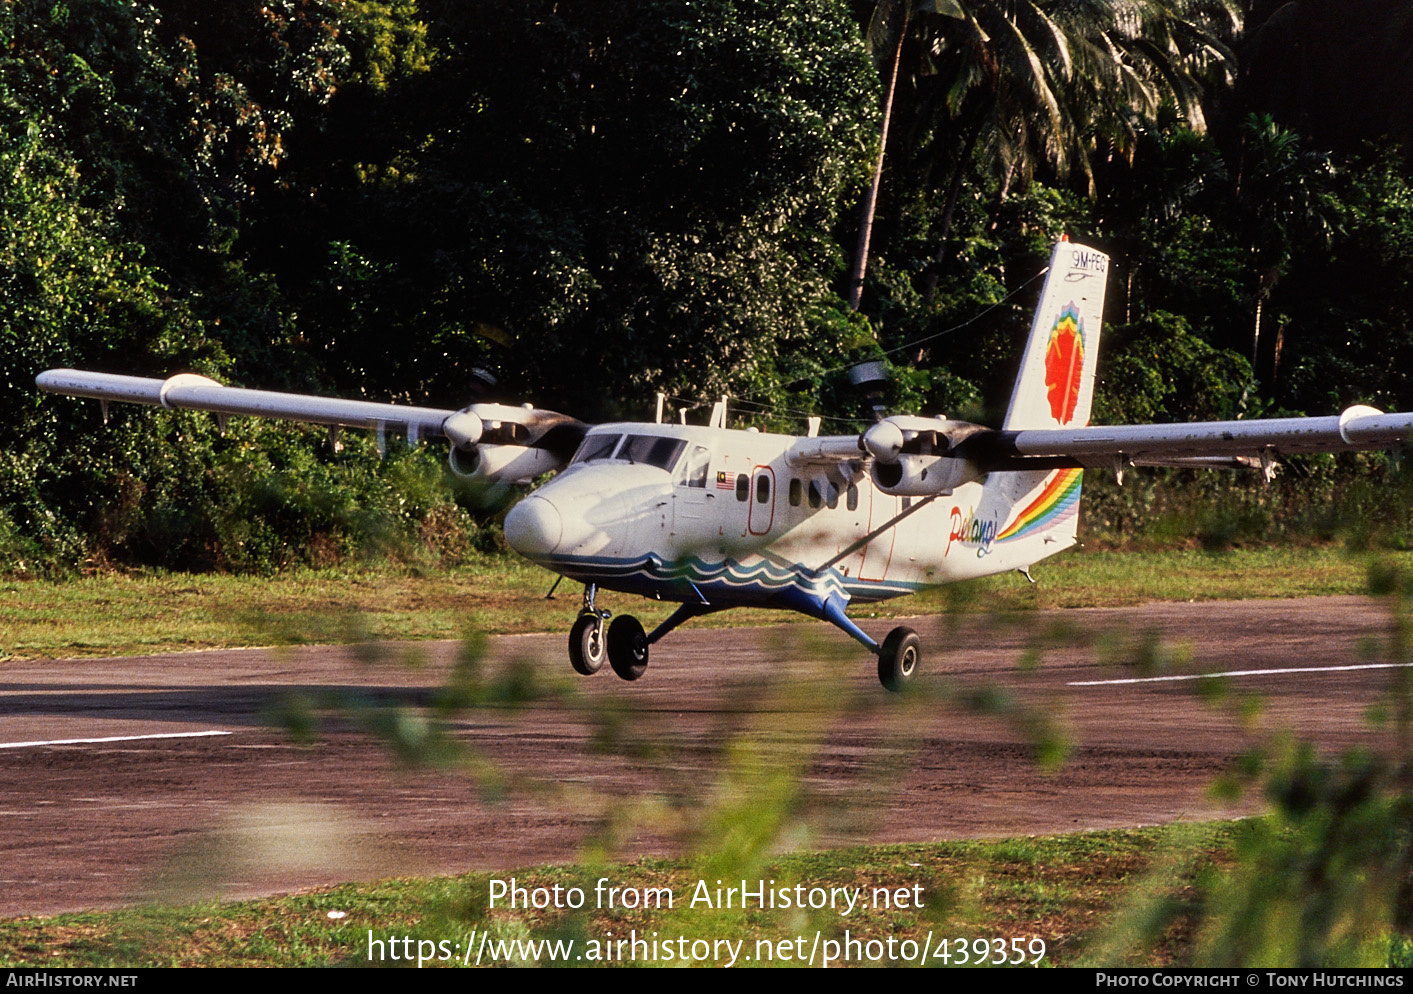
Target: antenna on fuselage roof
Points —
{"points": [[718, 414], [661, 401]]}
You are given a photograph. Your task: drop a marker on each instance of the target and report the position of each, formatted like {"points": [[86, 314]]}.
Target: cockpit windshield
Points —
{"points": [[654, 450], [597, 447]]}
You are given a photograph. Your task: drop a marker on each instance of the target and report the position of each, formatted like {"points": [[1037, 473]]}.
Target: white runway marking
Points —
{"points": [[111, 738], [1216, 676]]}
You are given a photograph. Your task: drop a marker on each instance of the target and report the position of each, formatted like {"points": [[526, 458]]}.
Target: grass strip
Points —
{"points": [[1063, 890], [130, 614]]}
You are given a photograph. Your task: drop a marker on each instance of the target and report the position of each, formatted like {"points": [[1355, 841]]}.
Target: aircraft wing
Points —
{"points": [[1204, 443], [190, 391], [509, 444], [913, 456]]}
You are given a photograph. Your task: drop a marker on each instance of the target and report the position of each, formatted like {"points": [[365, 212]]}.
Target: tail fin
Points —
{"points": [[1038, 510], [1055, 387]]}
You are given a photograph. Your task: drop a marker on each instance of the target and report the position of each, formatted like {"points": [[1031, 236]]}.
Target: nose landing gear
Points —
{"points": [[591, 640], [587, 642]]}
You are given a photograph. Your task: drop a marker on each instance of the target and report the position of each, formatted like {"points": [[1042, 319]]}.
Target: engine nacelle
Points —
{"points": [[917, 457], [503, 463], [914, 475]]}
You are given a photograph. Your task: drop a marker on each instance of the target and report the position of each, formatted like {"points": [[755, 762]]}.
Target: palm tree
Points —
{"points": [[1046, 82], [887, 31]]}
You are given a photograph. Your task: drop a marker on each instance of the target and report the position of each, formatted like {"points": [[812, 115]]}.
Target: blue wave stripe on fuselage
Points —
{"points": [[729, 582]]}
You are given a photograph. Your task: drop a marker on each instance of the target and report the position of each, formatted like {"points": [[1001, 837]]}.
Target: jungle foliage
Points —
{"points": [[597, 201]]}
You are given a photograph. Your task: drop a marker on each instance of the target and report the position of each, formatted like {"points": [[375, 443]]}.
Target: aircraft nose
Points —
{"points": [[534, 527]]}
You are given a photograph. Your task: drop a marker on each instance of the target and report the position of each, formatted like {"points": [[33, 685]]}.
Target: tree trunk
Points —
{"points": [[949, 210], [856, 271], [1256, 334]]}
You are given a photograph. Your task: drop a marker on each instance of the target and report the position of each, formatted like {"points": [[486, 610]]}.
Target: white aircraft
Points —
{"points": [[715, 518]]}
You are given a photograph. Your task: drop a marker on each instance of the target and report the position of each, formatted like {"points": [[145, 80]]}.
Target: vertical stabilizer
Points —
{"points": [[1037, 511], [1055, 387]]}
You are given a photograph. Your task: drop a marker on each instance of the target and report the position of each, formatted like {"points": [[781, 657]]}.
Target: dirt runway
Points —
{"points": [[199, 788]]}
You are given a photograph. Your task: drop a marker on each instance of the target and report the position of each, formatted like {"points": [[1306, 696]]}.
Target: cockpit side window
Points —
{"points": [[693, 472], [655, 450], [597, 447]]}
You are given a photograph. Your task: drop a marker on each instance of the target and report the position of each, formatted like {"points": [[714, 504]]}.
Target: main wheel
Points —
{"points": [[586, 644], [898, 658], [627, 647]]}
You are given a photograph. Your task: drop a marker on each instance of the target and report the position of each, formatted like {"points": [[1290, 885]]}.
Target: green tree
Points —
{"points": [[603, 200], [1284, 191], [1045, 85]]}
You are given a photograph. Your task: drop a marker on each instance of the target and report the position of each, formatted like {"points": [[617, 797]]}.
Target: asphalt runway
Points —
{"points": [[196, 787]]}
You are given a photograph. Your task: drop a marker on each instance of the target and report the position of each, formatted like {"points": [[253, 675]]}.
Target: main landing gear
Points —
{"points": [[625, 645], [898, 657]]}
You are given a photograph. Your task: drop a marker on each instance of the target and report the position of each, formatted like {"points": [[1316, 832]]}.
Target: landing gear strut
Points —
{"points": [[898, 656], [587, 644]]}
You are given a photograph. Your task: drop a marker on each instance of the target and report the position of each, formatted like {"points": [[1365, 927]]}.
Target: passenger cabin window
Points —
{"points": [[743, 486], [796, 491], [694, 468], [763, 489], [853, 497], [833, 498], [816, 498]]}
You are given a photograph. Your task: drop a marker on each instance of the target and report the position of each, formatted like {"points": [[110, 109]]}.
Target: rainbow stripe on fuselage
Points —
{"points": [[1056, 502]]}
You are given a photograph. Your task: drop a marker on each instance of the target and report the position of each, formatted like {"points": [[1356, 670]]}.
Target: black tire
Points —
{"points": [[627, 647], [898, 658], [586, 645]]}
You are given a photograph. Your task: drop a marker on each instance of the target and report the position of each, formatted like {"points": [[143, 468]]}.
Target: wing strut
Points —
{"points": [[855, 546]]}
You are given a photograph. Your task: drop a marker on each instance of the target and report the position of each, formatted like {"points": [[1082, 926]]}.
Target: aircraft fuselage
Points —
{"points": [[728, 517]]}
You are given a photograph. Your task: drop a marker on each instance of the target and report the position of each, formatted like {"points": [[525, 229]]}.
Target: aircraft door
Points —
{"points": [[692, 516], [762, 501], [876, 555]]}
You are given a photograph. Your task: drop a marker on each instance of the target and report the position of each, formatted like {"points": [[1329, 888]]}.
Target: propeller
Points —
{"points": [[464, 429], [884, 441]]}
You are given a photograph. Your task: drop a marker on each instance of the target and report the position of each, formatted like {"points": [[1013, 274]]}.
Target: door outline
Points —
{"points": [[880, 550], [752, 515]]}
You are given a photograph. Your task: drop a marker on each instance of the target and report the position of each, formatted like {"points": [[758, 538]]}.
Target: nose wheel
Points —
{"points": [[586, 644]]}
